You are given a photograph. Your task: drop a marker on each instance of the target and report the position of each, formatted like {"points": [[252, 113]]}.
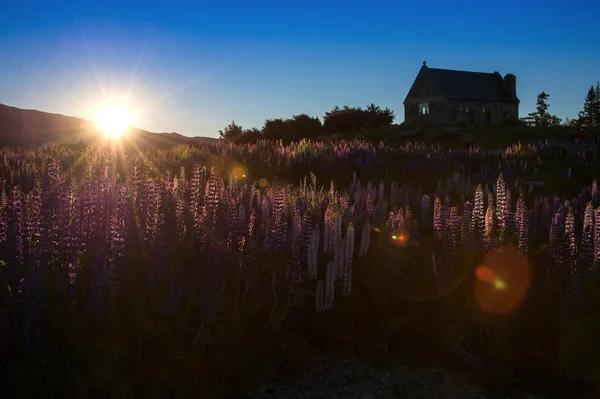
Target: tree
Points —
{"points": [[251, 135], [378, 118], [299, 127], [274, 129], [304, 127], [590, 116], [553, 120], [541, 107], [232, 132], [541, 117], [350, 121]]}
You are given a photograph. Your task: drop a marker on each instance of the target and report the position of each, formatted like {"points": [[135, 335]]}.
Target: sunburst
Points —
{"points": [[113, 119]]}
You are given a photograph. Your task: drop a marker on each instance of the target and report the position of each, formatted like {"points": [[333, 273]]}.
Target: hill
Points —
{"points": [[31, 128]]}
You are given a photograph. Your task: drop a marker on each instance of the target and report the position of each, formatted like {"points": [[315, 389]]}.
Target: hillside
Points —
{"points": [[31, 128]]}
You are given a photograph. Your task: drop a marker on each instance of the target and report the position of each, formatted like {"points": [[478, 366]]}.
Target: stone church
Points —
{"points": [[444, 97]]}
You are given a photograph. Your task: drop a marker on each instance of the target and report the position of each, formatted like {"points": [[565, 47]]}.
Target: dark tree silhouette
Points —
{"points": [[541, 116], [346, 121], [590, 116], [295, 129], [350, 121], [251, 135], [232, 132]]}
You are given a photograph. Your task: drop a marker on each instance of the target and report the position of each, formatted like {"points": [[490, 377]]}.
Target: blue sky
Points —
{"points": [[194, 67]]}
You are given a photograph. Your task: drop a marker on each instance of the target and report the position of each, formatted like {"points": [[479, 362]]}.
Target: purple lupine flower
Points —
{"points": [[501, 204], [478, 217], [490, 227], [213, 197], [101, 218], [536, 215], [586, 255], [508, 216], [313, 253], [574, 269], [197, 190], [558, 247], [116, 239], [454, 225], [330, 278], [33, 280], [522, 224], [233, 211], [466, 232], [437, 219], [545, 218], [348, 252], [596, 239]]}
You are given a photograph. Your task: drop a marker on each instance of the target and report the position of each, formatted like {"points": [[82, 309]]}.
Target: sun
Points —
{"points": [[113, 120]]}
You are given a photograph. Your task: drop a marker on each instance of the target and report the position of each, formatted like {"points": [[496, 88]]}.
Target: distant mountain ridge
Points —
{"points": [[31, 128]]}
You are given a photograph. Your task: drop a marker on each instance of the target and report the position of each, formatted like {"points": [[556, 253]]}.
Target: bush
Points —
{"points": [[510, 121]]}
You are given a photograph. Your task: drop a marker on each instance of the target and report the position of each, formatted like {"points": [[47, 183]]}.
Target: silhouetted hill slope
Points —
{"points": [[31, 128]]}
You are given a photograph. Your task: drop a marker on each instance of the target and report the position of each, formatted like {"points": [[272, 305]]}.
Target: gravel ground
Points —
{"points": [[353, 379]]}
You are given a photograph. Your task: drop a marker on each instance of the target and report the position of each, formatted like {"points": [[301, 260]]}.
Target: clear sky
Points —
{"points": [[194, 67]]}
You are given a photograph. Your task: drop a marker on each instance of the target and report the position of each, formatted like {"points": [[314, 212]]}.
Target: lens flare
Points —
{"points": [[400, 237], [238, 173], [485, 274], [502, 281], [262, 183]]}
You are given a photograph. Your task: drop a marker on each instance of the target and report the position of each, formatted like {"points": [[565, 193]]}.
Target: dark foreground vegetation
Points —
{"points": [[201, 271]]}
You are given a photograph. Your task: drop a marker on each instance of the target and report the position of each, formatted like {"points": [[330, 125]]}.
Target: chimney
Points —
{"points": [[510, 84]]}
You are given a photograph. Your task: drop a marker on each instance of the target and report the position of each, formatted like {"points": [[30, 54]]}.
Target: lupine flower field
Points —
{"points": [[167, 273]]}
